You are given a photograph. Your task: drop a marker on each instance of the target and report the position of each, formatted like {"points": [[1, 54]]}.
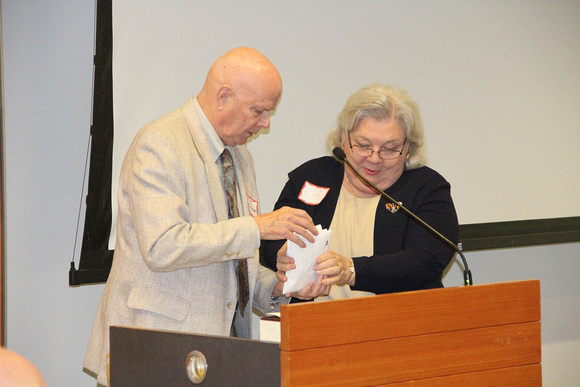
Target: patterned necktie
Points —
{"points": [[242, 264]]}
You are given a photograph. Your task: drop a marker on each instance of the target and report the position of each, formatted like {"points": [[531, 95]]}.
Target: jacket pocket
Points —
{"points": [[160, 302]]}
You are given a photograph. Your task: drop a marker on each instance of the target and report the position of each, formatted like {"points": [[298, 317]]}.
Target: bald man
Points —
{"points": [[178, 248]]}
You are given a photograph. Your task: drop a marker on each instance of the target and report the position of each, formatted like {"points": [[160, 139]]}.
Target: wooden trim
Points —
{"points": [[527, 375], [315, 324]]}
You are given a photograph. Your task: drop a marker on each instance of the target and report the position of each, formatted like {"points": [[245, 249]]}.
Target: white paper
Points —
{"points": [[305, 259]]}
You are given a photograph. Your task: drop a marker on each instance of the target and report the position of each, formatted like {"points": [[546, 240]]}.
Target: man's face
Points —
{"points": [[246, 112]]}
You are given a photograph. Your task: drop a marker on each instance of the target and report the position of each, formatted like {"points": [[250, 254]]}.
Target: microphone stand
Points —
{"points": [[467, 279]]}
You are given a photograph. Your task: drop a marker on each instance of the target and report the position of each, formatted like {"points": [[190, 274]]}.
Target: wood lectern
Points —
{"points": [[481, 335]]}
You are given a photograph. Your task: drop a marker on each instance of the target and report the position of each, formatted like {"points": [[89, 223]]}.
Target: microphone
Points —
{"points": [[341, 156]]}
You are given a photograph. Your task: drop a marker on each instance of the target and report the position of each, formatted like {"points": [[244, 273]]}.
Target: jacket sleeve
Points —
{"points": [[269, 248], [174, 229]]}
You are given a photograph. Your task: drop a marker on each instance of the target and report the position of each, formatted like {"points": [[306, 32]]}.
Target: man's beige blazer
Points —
{"points": [[174, 262]]}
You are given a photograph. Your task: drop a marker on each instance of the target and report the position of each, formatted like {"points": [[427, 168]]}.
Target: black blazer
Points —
{"points": [[406, 256]]}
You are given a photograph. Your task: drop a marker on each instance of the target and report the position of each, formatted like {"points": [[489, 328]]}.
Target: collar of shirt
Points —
{"points": [[216, 145]]}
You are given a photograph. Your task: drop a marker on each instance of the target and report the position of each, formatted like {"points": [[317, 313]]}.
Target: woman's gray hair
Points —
{"points": [[382, 102]]}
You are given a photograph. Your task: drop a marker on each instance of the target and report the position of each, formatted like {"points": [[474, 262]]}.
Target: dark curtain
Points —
{"points": [[96, 258]]}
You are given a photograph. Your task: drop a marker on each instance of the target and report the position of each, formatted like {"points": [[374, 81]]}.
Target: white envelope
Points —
{"points": [[305, 259]]}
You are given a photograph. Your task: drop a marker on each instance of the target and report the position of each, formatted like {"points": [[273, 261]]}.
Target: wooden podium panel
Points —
{"points": [[486, 335]]}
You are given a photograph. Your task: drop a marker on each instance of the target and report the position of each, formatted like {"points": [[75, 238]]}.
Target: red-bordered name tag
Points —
{"points": [[312, 194]]}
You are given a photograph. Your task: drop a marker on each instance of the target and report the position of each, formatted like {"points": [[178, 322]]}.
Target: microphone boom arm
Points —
{"points": [[467, 279]]}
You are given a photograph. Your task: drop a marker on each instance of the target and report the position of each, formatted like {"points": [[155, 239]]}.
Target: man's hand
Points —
{"points": [[286, 223]]}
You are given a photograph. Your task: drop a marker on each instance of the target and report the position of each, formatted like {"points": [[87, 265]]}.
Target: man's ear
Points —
{"points": [[223, 95]]}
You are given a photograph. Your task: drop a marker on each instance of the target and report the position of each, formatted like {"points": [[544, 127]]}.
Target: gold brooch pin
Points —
{"points": [[393, 207]]}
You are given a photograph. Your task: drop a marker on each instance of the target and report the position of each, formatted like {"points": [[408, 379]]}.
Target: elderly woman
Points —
{"points": [[374, 247]]}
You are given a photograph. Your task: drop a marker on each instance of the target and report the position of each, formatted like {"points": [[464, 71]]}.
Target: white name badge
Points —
{"points": [[312, 194]]}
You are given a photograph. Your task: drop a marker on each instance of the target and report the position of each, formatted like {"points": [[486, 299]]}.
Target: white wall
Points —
{"points": [[48, 48]]}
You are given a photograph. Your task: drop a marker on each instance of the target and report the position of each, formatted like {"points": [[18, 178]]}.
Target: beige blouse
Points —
{"points": [[352, 235]]}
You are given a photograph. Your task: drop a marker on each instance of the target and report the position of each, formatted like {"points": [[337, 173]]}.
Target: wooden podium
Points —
{"points": [[481, 335]]}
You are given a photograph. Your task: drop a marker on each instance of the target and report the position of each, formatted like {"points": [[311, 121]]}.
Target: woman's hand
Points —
{"points": [[335, 268], [285, 263]]}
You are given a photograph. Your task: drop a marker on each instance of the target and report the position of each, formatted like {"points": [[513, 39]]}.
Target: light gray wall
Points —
{"points": [[48, 48]]}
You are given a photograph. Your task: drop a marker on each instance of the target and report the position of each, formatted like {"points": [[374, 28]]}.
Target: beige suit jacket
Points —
{"points": [[174, 262]]}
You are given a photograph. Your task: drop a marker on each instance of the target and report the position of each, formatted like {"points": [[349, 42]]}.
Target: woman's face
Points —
{"points": [[381, 136]]}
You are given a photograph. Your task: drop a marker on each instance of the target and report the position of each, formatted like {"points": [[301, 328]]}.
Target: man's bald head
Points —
{"points": [[240, 66], [240, 90]]}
